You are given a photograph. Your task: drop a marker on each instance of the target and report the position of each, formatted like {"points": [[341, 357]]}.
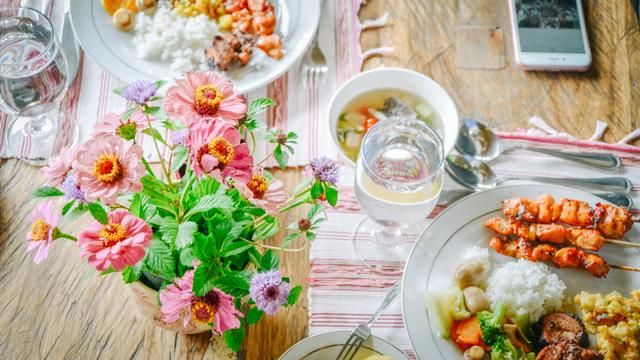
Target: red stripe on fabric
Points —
{"points": [[630, 149], [69, 109]]}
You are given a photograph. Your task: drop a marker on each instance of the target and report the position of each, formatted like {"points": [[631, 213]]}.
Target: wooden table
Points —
{"points": [[60, 309]]}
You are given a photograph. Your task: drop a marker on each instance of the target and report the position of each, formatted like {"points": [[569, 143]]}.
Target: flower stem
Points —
{"points": [[57, 234], [155, 144], [276, 248], [265, 159], [146, 165]]}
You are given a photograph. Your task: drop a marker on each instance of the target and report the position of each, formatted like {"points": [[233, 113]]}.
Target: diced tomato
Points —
{"points": [[368, 124], [365, 111], [466, 333]]}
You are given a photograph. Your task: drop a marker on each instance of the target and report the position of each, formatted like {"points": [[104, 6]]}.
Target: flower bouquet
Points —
{"points": [[190, 229]]}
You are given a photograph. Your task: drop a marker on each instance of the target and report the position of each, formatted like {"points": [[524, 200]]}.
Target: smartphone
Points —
{"points": [[550, 35]]}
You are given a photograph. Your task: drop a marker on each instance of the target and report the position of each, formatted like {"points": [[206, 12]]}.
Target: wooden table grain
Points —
{"points": [[62, 310]]}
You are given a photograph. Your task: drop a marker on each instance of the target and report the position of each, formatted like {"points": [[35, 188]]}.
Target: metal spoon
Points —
{"points": [[480, 142], [477, 175]]}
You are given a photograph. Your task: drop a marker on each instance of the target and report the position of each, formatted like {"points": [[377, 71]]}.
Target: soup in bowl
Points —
{"points": [[381, 94]]}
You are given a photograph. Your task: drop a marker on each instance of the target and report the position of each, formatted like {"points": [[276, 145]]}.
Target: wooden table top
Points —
{"points": [[61, 309]]}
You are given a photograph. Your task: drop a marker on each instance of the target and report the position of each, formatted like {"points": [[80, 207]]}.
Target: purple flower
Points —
{"points": [[140, 91], [178, 136], [72, 190], [269, 291], [325, 170]]}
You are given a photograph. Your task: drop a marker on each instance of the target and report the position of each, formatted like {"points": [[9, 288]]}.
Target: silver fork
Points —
{"points": [[362, 332], [315, 65]]}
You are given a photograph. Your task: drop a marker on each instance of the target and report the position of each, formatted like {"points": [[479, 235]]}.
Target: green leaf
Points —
{"points": [[76, 212], [98, 212], [255, 256], [317, 190], [180, 155], [294, 294], [290, 238], [314, 210], [152, 110], [139, 206], [131, 274], [332, 195], [187, 257], [169, 229], [119, 90], [269, 261], [233, 283], [310, 235], [235, 248], [233, 338], [108, 271], [254, 315], [258, 106], [266, 229], [67, 207], [127, 114], [159, 260], [170, 125], [185, 233], [205, 247], [160, 83], [156, 135], [203, 279], [219, 201], [47, 191], [282, 157]]}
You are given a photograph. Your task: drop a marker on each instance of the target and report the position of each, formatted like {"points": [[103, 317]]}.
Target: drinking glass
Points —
{"points": [[33, 76], [398, 179]]}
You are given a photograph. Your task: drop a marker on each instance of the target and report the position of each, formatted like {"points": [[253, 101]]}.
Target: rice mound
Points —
{"points": [[526, 288]]}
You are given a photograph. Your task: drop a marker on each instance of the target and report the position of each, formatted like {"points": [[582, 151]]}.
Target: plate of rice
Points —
{"points": [[165, 43], [535, 289]]}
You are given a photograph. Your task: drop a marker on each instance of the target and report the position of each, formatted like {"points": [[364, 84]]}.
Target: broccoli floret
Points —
{"points": [[491, 325], [503, 349]]}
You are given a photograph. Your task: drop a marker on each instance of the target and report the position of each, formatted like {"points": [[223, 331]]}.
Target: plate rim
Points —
{"points": [[313, 6], [404, 293]]}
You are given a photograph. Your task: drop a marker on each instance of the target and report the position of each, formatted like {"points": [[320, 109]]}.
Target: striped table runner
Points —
{"points": [[344, 293], [299, 109]]}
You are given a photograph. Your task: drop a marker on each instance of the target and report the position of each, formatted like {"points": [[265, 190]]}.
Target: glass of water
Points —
{"points": [[33, 77], [398, 179]]}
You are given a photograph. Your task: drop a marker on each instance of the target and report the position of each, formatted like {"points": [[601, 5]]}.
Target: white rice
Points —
{"points": [[476, 253], [526, 288], [175, 39]]}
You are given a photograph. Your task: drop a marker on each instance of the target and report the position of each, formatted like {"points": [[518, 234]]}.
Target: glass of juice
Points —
{"points": [[399, 174]]}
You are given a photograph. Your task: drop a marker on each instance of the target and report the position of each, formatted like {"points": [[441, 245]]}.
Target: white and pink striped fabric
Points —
{"points": [[299, 109], [344, 293]]}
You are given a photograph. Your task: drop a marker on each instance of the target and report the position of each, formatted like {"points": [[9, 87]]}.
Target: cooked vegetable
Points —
{"points": [[466, 333], [475, 300], [447, 306], [368, 124], [515, 337], [124, 19], [491, 324], [146, 6], [474, 353], [471, 273]]}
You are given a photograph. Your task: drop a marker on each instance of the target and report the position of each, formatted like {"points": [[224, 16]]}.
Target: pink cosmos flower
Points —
{"points": [[44, 220], [58, 167], [118, 244], [106, 166], [261, 192], [178, 300], [113, 123], [202, 97], [216, 149]]}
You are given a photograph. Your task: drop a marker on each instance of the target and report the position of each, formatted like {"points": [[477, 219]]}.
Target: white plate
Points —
{"points": [[328, 346], [436, 254], [114, 50]]}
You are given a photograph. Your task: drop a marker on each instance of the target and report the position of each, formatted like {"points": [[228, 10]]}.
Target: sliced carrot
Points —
{"points": [[467, 333], [368, 124]]}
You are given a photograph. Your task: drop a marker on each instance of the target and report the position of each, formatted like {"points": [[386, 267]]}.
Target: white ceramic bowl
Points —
{"points": [[328, 345], [403, 79]]}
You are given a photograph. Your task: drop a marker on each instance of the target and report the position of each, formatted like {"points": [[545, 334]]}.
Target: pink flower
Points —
{"points": [[261, 192], [118, 244], [216, 149], [58, 167], [204, 96], [44, 220], [114, 124], [106, 166], [215, 307]]}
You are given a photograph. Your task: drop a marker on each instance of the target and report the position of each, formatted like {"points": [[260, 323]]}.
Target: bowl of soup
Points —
{"points": [[382, 94]]}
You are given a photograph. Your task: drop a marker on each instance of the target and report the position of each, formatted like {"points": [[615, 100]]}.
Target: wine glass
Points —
{"points": [[33, 76], [399, 176]]}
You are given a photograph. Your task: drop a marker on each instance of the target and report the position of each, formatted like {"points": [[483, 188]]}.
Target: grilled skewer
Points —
{"points": [[566, 257], [612, 222], [589, 239]]}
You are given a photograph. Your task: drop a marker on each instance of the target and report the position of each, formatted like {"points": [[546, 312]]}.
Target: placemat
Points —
{"points": [[344, 293]]}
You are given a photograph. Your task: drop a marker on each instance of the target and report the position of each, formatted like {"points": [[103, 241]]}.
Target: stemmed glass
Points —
{"points": [[399, 176], [33, 76]]}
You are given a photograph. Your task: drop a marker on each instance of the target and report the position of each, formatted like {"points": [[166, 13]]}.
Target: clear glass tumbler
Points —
{"points": [[399, 176]]}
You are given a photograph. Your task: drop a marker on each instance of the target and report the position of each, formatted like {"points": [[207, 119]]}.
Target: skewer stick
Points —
{"points": [[635, 218], [624, 267], [623, 243]]}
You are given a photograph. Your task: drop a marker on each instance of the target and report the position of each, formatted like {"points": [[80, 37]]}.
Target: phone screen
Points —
{"points": [[549, 26]]}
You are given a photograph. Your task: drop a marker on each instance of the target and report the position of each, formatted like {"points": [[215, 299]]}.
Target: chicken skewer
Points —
{"points": [[566, 257], [612, 222], [589, 239]]}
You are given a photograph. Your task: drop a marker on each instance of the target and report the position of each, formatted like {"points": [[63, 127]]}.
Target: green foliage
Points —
{"points": [[269, 261], [131, 273], [46, 191], [156, 135], [180, 155], [127, 131], [332, 195], [281, 156], [67, 207], [98, 212], [159, 260], [317, 190], [235, 284], [233, 338], [203, 279], [294, 294], [254, 315], [258, 106]]}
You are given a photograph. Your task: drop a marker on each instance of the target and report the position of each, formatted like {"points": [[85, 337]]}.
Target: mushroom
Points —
{"points": [[124, 19], [146, 6], [475, 300], [474, 353], [470, 273]]}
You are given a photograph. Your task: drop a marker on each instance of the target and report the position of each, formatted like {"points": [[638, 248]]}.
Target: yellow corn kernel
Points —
{"points": [[225, 22], [220, 10], [201, 7]]}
